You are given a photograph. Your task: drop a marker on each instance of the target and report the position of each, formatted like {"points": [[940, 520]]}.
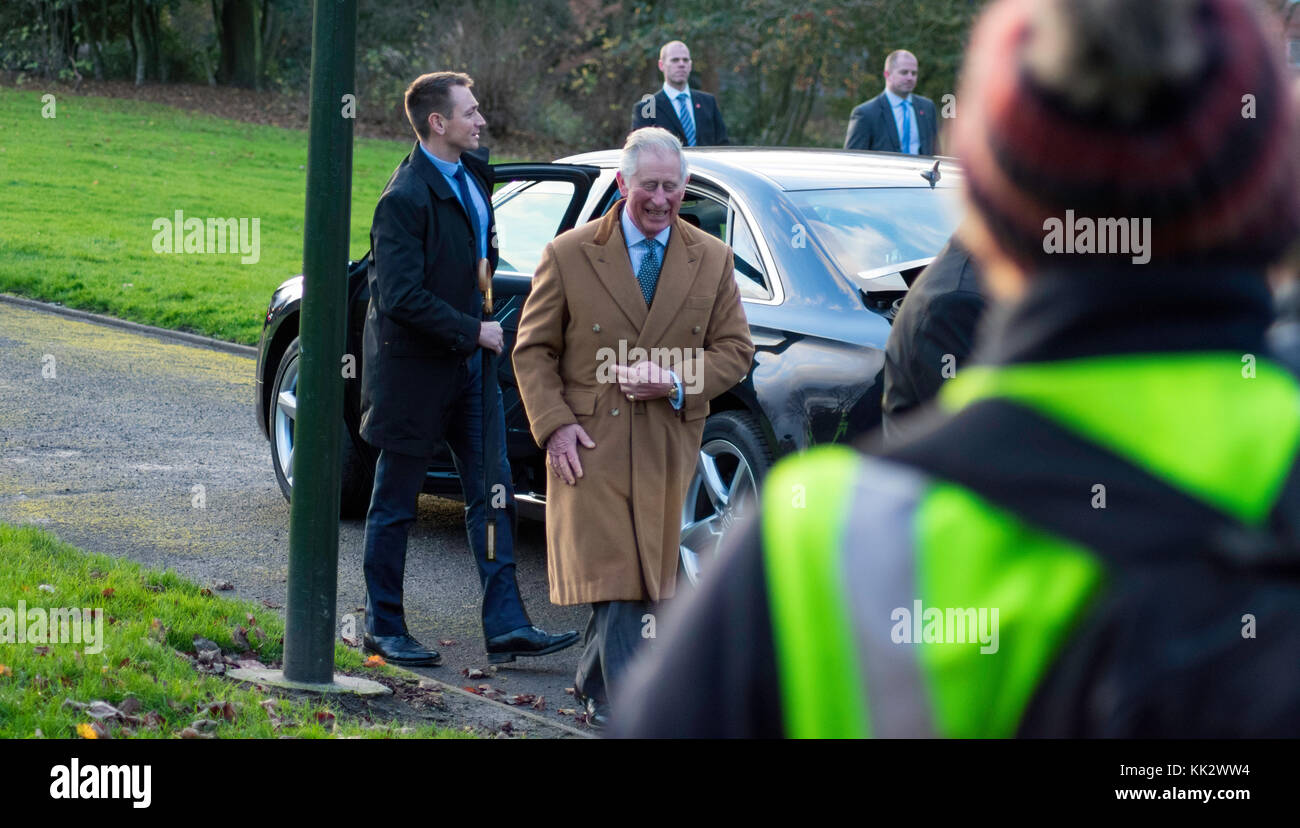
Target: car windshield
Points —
{"points": [[869, 228]]}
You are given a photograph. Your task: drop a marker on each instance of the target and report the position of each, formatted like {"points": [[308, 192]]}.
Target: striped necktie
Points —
{"points": [[684, 115]]}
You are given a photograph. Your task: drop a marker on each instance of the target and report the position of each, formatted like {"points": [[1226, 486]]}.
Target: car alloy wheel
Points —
{"points": [[357, 474], [732, 461], [283, 416]]}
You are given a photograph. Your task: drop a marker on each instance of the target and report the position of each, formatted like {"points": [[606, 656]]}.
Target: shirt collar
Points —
{"points": [[673, 93], [633, 235], [445, 167], [894, 100]]}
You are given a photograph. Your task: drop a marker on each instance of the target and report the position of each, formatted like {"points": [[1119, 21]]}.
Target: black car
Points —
{"points": [[826, 243]]}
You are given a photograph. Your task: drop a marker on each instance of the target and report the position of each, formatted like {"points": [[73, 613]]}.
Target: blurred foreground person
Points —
{"points": [[1098, 536]]}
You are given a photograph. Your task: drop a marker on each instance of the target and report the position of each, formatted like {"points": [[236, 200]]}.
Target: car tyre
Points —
{"points": [[733, 460], [358, 465]]}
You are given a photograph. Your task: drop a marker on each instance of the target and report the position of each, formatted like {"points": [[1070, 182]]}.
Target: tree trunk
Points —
{"points": [[139, 43], [239, 43]]}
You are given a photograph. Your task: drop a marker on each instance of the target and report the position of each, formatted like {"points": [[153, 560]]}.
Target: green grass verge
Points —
{"points": [[148, 617], [79, 194]]}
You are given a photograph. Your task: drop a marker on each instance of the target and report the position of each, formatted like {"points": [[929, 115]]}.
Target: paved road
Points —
{"points": [[143, 448]]}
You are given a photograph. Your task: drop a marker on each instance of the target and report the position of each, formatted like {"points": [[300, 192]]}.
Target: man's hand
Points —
{"points": [[644, 381], [490, 336], [562, 451]]}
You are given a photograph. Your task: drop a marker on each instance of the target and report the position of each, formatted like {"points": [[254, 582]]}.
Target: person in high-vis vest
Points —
{"points": [[1097, 531]]}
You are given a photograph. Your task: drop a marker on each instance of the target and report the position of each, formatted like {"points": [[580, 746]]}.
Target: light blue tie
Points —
{"points": [[648, 274], [906, 142], [684, 115]]}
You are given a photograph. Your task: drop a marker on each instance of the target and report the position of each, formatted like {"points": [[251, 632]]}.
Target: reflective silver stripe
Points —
{"points": [[879, 568]]}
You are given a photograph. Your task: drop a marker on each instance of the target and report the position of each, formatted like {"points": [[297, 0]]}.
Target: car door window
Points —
{"points": [[751, 277], [705, 212], [527, 219]]}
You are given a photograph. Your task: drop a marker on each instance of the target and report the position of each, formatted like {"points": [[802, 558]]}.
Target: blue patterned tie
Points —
{"points": [[684, 115], [648, 274], [906, 142]]}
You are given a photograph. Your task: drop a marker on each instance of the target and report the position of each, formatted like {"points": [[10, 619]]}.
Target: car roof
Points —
{"points": [[802, 168]]}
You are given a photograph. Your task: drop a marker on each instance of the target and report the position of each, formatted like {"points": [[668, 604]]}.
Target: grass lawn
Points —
{"points": [[148, 617], [80, 192]]}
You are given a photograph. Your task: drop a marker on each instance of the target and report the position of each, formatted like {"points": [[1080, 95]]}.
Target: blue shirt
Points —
{"points": [[913, 143], [690, 104], [448, 171], [636, 251]]}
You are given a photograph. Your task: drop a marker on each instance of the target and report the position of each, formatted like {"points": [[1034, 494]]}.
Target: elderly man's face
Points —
{"points": [[654, 192], [901, 80]]}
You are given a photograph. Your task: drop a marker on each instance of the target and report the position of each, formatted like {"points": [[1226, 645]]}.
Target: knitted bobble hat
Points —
{"points": [[1174, 111]]}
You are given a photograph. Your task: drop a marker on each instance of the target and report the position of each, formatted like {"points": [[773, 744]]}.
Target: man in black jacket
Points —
{"points": [[423, 377], [693, 116], [882, 122], [934, 331]]}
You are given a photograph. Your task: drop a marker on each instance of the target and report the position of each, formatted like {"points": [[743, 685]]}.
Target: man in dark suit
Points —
{"points": [[895, 120], [693, 116], [422, 380], [933, 334]]}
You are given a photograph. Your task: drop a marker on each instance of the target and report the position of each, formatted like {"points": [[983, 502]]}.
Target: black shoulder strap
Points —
{"points": [[1027, 464]]}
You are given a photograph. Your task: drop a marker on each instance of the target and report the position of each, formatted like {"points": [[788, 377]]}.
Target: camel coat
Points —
{"points": [[614, 535]]}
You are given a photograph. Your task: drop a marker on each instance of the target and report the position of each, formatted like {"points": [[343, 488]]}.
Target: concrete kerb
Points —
{"points": [[136, 327], [498, 707]]}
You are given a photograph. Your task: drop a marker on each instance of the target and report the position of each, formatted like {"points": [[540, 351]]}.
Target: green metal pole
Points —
{"points": [[314, 508]]}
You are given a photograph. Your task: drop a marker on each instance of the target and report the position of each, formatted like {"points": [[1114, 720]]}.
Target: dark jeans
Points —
{"points": [[612, 640], [398, 481]]}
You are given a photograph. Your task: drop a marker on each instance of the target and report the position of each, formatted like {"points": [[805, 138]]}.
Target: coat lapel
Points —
{"points": [[891, 126], [674, 123], [608, 256], [680, 267]]}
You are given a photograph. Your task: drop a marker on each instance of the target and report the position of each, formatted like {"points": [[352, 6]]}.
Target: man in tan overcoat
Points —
{"points": [[633, 324]]}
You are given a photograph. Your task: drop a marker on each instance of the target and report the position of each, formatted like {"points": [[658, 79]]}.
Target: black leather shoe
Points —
{"points": [[597, 714], [527, 641], [401, 649]]}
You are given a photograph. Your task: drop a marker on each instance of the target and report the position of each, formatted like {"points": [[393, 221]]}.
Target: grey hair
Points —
{"points": [[654, 139]]}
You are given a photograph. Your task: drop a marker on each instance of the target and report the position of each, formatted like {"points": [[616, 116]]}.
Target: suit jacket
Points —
{"points": [[614, 536], [938, 319], [872, 126], [661, 112], [425, 305]]}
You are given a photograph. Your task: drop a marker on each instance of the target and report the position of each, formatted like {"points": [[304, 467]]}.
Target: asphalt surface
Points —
{"points": [[135, 446]]}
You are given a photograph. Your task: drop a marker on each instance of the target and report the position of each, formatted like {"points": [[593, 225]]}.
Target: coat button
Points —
{"points": [[613, 412], [695, 330], [595, 328]]}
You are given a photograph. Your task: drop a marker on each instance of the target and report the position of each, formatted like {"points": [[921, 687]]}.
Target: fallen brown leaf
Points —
{"points": [[252, 622], [5, 670], [447, 642], [205, 592], [40, 651], [540, 704], [224, 586], [375, 661], [473, 673], [108, 592], [271, 604]]}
